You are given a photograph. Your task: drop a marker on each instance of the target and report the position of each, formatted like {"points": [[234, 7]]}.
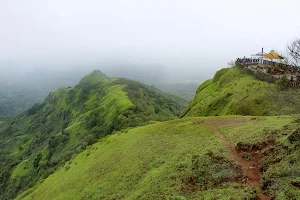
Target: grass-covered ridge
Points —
{"points": [[181, 159], [233, 91], [36, 142]]}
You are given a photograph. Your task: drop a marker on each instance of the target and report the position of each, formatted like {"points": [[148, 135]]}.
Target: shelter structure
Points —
{"points": [[274, 59], [272, 55]]}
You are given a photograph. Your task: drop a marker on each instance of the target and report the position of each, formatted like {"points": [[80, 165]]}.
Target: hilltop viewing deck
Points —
{"points": [[270, 71]]}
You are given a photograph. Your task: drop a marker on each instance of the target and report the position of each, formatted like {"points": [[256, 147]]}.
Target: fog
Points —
{"points": [[188, 39]]}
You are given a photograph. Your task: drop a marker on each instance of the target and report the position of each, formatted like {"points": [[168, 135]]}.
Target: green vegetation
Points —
{"points": [[35, 143], [178, 159], [283, 82], [253, 131], [232, 91], [19, 91], [84, 143]]}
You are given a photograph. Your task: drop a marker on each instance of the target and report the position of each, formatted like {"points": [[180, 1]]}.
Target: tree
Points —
{"points": [[294, 52], [231, 63]]}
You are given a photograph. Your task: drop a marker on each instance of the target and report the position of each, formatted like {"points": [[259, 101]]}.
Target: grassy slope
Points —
{"points": [[280, 164], [255, 130], [34, 143], [157, 162], [232, 91], [150, 162]]}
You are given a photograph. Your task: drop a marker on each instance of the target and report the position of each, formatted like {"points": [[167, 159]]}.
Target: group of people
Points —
{"points": [[248, 60]]}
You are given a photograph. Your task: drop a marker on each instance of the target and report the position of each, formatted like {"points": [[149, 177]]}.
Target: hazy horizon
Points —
{"points": [[190, 38]]}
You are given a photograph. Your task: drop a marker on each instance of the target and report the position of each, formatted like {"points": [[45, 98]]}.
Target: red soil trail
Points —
{"points": [[250, 168]]}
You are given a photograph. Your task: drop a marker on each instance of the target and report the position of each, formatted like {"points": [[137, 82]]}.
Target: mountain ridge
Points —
{"points": [[36, 142]]}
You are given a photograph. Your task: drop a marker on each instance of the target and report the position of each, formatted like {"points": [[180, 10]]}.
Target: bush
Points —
{"points": [[283, 82], [295, 136], [209, 171]]}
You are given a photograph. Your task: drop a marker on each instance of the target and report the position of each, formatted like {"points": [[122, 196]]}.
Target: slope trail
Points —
{"points": [[250, 168]]}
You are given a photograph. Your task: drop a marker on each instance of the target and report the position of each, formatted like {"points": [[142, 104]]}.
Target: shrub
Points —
{"points": [[283, 82]]}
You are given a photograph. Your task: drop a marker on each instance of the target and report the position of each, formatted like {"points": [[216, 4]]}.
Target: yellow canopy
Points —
{"points": [[273, 55]]}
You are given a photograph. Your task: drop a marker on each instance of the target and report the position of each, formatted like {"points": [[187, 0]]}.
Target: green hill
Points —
{"points": [[232, 91], [184, 159], [35, 143]]}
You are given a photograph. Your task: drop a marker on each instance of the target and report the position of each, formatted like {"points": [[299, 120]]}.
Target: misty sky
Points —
{"points": [[195, 36]]}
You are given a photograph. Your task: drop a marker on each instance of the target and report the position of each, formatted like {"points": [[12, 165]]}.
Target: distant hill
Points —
{"points": [[184, 90], [145, 73], [232, 91], [36, 142], [172, 81], [21, 89]]}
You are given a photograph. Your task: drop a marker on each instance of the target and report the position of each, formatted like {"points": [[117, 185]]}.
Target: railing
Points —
{"points": [[295, 84]]}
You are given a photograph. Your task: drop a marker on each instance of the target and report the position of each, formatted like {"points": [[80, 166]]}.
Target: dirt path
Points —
{"points": [[250, 168]]}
